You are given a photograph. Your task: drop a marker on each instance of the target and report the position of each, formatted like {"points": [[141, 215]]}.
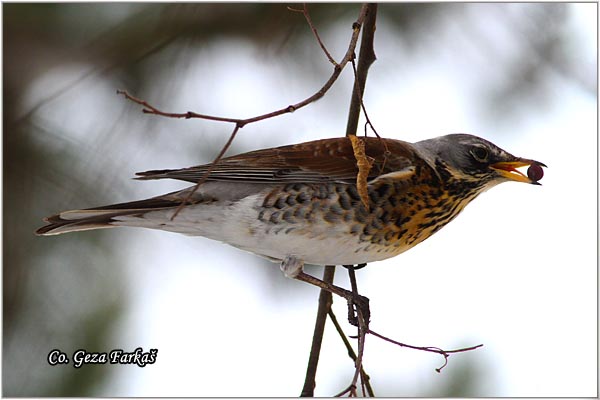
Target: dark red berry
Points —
{"points": [[535, 172]]}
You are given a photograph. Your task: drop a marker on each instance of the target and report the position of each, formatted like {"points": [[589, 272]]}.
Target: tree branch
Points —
{"points": [[370, 13], [365, 59], [431, 349], [364, 376], [306, 14], [325, 301], [325, 297], [241, 122]]}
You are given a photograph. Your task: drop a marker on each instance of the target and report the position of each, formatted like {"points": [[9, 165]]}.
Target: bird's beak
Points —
{"points": [[508, 169]]}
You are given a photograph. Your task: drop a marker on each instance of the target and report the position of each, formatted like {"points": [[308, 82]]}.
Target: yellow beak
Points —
{"points": [[509, 170]]}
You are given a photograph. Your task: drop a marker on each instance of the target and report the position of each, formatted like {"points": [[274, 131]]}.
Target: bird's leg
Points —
{"points": [[353, 307], [292, 267]]}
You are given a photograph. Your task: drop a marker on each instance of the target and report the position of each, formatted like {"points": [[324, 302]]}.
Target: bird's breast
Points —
{"points": [[400, 216]]}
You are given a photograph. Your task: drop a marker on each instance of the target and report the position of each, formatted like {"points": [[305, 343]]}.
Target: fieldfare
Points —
{"points": [[301, 203]]}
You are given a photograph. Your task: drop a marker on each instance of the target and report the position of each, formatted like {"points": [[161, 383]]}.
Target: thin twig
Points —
{"points": [[362, 332], [432, 349], [314, 31], [364, 376], [362, 329], [368, 122], [210, 168], [337, 69], [150, 109]]}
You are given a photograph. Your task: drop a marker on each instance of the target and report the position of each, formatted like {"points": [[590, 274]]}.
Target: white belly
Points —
{"points": [[238, 224]]}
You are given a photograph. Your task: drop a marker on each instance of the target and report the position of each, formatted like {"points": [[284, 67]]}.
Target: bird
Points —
{"points": [[303, 204]]}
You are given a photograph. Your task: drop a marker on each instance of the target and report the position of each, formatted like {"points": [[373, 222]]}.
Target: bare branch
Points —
{"points": [[314, 31], [365, 379], [368, 123], [325, 298], [365, 59], [362, 315], [431, 349], [368, 11], [337, 69], [150, 109], [208, 171], [325, 301]]}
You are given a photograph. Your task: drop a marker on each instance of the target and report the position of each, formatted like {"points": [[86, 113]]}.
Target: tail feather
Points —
{"points": [[101, 217]]}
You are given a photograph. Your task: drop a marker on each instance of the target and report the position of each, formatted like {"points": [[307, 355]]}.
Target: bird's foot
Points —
{"points": [[358, 307], [291, 267]]}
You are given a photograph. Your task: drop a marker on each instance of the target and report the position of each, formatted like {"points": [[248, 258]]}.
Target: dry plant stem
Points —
{"points": [[364, 165], [432, 349], [325, 301]]}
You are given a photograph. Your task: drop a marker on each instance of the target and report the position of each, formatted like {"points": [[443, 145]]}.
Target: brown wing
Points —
{"points": [[310, 162]]}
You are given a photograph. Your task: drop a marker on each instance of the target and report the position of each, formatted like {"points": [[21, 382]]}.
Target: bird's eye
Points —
{"points": [[480, 153]]}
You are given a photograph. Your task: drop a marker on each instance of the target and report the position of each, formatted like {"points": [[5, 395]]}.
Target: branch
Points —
{"points": [[365, 59], [337, 69], [210, 168], [431, 349], [325, 301], [368, 122], [325, 297], [362, 330], [363, 375], [306, 14]]}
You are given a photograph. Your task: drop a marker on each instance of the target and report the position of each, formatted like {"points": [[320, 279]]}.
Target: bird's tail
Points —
{"points": [[103, 217]]}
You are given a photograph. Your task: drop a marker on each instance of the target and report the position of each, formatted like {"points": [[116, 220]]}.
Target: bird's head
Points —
{"points": [[469, 158]]}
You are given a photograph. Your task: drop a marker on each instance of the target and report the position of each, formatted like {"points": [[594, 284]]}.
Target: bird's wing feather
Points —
{"points": [[323, 160], [327, 160]]}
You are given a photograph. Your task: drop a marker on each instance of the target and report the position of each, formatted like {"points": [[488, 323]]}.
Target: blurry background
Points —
{"points": [[516, 271]]}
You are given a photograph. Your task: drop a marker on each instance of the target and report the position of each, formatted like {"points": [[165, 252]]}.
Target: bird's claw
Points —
{"points": [[358, 306]]}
